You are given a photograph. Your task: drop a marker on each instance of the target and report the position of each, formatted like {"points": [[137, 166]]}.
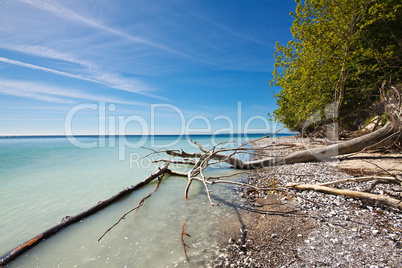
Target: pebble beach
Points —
{"points": [[309, 228]]}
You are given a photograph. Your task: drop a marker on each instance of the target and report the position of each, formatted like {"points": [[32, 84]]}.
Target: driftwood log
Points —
{"points": [[11, 255], [392, 202]]}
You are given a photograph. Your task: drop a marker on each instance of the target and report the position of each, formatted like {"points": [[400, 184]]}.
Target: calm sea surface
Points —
{"points": [[43, 179]]}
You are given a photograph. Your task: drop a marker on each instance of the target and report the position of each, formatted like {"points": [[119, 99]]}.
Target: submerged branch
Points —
{"points": [[134, 209], [182, 239]]}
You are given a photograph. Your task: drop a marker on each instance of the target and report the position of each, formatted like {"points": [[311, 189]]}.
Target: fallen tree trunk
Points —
{"points": [[310, 155], [11, 255]]}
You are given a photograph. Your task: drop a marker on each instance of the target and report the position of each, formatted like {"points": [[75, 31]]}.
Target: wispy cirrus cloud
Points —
{"points": [[50, 53], [94, 74], [34, 95], [54, 94], [226, 29], [68, 14], [36, 67], [146, 45]]}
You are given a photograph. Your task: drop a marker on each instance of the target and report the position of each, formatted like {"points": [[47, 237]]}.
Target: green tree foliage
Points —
{"points": [[341, 52]]}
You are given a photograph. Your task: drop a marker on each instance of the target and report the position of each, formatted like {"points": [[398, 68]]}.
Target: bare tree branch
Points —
{"points": [[134, 209], [179, 162], [182, 239]]}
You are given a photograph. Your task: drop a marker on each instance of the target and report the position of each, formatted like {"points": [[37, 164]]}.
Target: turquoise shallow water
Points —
{"points": [[44, 179]]}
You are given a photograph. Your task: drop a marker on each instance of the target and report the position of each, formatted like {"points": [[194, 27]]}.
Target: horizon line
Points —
{"points": [[128, 135]]}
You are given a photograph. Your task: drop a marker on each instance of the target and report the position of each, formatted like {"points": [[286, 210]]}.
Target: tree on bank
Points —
{"points": [[341, 52]]}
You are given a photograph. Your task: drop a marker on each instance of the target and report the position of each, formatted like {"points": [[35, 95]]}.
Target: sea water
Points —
{"points": [[43, 179]]}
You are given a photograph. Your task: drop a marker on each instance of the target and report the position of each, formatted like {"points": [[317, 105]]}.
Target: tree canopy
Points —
{"points": [[340, 53]]}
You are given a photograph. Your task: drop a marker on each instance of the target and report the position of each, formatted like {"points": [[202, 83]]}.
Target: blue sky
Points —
{"points": [[138, 67]]}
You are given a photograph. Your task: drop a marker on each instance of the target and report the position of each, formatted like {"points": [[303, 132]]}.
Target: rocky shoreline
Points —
{"points": [[308, 228]]}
